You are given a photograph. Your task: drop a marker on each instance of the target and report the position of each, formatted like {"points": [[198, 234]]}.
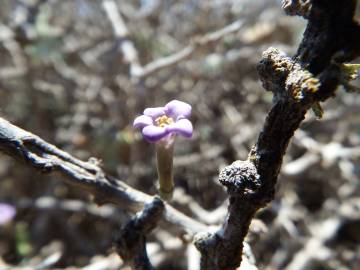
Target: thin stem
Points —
{"points": [[164, 157]]}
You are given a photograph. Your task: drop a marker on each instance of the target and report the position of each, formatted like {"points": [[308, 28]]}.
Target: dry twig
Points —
{"points": [[88, 176], [189, 50], [131, 55]]}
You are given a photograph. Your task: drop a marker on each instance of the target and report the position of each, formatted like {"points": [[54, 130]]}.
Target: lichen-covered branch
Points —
{"points": [[88, 176], [298, 84]]}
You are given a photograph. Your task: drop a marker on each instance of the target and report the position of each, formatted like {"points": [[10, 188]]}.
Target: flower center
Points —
{"points": [[163, 121]]}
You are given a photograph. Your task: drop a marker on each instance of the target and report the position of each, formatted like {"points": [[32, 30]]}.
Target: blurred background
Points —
{"points": [[75, 73]]}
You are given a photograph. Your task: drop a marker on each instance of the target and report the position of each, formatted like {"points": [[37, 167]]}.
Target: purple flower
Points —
{"points": [[7, 213], [165, 122]]}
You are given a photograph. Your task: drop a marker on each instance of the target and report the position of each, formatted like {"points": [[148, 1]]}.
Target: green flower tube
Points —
{"points": [[164, 158]]}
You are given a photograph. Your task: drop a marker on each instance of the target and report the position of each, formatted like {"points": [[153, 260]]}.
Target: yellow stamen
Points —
{"points": [[163, 121]]}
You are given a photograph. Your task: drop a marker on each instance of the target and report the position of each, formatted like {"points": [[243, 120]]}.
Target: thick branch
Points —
{"points": [[298, 84], [131, 243], [89, 176]]}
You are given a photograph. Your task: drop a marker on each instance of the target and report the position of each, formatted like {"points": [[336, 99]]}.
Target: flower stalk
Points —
{"points": [[164, 158]]}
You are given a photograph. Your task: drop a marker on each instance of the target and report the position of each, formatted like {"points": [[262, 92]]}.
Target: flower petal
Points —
{"points": [[178, 109], [154, 133], [142, 121], [7, 213], [182, 127], [154, 112]]}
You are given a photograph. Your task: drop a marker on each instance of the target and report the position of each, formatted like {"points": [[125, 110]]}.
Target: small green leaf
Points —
{"points": [[22, 237], [351, 71], [318, 110]]}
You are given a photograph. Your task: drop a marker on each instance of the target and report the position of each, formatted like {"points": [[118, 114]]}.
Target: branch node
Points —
{"points": [[205, 241], [286, 78], [241, 179], [273, 69]]}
